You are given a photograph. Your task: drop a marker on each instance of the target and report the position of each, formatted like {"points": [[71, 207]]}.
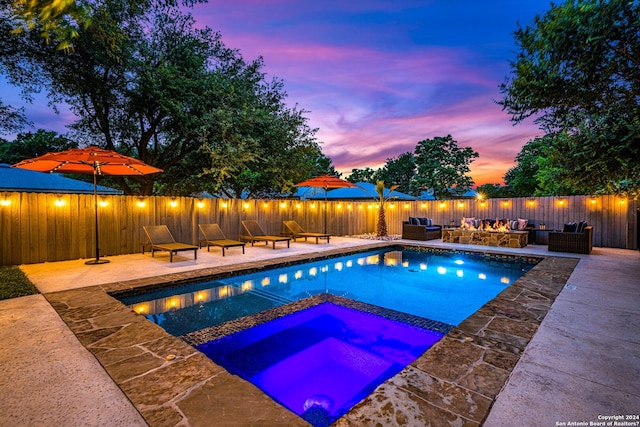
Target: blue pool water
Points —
{"points": [[321, 361], [442, 286]]}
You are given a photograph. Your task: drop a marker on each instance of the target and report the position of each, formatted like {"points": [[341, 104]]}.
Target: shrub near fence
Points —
{"points": [[39, 227]]}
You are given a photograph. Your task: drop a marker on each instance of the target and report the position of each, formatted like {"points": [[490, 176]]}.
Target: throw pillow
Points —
{"points": [[513, 225], [413, 221], [423, 221], [570, 227], [522, 223], [581, 226]]}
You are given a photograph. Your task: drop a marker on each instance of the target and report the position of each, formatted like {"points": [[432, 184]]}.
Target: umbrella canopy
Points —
{"points": [[327, 182], [90, 160]]}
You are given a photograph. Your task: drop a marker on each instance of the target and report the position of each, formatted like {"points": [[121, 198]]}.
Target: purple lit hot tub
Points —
{"points": [[321, 361]]}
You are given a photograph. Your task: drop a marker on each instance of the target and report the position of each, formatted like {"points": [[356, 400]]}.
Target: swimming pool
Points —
{"points": [[445, 286], [321, 361]]}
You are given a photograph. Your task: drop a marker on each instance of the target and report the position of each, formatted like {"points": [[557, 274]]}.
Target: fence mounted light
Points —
{"points": [[141, 202], [174, 202], [59, 201], [442, 205], [283, 205], [245, 205], [5, 200], [531, 202], [200, 203], [224, 204], [103, 202], [423, 205]]}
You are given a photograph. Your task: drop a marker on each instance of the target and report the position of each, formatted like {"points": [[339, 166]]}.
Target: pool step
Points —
{"points": [[270, 296]]}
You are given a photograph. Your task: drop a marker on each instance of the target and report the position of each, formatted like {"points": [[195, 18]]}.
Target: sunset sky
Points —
{"points": [[378, 76]]}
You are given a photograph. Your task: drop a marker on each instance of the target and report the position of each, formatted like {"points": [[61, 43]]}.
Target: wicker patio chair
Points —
{"points": [[579, 243]]}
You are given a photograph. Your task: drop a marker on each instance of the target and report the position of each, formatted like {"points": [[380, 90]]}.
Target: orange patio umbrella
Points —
{"points": [[327, 182], [90, 160]]}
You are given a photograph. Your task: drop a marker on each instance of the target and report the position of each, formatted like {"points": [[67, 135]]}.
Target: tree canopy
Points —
{"points": [[11, 119], [400, 172], [577, 73], [27, 145], [437, 165], [363, 175], [534, 174], [144, 81], [442, 166]]}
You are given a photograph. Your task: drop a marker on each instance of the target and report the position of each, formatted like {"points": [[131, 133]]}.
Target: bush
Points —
{"points": [[14, 283]]}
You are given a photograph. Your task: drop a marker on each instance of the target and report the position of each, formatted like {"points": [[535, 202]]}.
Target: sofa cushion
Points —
{"points": [[570, 227], [414, 221], [425, 221], [432, 228], [581, 226]]}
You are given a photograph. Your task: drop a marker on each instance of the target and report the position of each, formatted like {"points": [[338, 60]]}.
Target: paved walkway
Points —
{"points": [[583, 361]]}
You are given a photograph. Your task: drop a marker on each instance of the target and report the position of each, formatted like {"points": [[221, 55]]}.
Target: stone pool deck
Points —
{"points": [[503, 366]]}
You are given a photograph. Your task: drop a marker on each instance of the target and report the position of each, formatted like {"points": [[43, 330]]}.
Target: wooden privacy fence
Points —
{"points": [[39, 227]]}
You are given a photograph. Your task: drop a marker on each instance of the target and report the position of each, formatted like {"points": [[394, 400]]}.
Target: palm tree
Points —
{"points": [[381, 229]]}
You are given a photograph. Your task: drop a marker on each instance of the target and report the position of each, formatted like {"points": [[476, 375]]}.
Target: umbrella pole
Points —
{"points": [[325, 211], [95, 205]]}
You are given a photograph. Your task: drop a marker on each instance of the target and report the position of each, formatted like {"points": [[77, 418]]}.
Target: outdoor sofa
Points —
{"points": [[421, 229]]}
